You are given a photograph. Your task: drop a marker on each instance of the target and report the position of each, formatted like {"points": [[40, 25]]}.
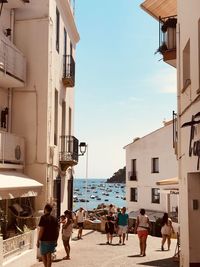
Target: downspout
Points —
{"points": [[10, 90]]}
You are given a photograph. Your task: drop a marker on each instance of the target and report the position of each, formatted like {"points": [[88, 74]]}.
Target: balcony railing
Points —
{"points": [[68, 71], [167, 39], [68, 155], [11, 149], [12, 64], [132, 176]]}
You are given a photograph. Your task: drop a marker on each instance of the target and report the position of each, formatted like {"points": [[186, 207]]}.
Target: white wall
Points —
{"points": [[188, 18], [157, 144]]}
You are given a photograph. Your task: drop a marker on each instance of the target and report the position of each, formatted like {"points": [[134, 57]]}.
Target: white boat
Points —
{"points": [[92, 196]]}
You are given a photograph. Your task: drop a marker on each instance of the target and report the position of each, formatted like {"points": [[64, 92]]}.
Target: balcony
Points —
{"points": [[132, 176], [68, 155], [12, 64], [68, 71], [167, 39], [11, 149]]}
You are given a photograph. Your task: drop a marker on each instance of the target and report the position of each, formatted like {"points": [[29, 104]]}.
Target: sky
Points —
{"points": [[123, 89]]}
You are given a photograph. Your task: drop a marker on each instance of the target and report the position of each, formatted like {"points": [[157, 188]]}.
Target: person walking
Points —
{"points": [[109, 227], [67, 229], [142, 228], [80, 219], [47, 235], [166, 231], [122, 223]]}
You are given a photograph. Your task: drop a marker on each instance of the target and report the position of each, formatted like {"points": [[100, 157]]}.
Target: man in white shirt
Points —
{"points": [[80, 219]]}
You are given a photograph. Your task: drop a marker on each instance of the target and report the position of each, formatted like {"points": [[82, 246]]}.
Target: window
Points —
{"points": [[134, 194], [155, 195], [56, 118], [57, 29], [155, 165], [65, 42], [133, 173], [70, 121], [198, 90], [63, 117], [186, 66]]}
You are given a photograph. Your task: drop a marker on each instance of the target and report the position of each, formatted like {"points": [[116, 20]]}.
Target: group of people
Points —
{"points": [[119, 223], [49, 228], [115, 222]]}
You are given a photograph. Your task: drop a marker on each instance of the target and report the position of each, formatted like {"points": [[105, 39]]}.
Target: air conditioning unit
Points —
{"points": [[12, 148]]}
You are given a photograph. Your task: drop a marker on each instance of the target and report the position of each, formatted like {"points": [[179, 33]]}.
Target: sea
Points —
{"points": [[89, 193]]}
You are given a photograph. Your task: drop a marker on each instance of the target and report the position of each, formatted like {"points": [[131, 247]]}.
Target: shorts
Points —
{"points": [[80, 224], [109, 229], [122, 229], [47, 247], [142, 233]]}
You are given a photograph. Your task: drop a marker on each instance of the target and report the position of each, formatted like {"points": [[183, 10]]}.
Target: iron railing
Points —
{"points": [[69, 68], [68, 148], [132, 176], [12, 61]]}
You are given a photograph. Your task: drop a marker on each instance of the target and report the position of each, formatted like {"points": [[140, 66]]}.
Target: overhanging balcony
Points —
{"points": [[167, 39], [11, 149], [68, 155], [68, 71], [12, 64]]}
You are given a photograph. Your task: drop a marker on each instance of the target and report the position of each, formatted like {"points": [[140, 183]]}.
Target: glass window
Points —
{"points": [[186, 66], [155, 165], [155, 195], [56, 118], [133, 173], [134, 194], [57, 29]]}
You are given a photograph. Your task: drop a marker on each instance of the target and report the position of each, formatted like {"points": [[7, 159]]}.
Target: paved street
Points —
{"points": [[92, 251]]}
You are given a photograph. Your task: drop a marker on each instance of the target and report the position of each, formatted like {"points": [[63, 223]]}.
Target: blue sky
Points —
{"points": [[123, 90]]}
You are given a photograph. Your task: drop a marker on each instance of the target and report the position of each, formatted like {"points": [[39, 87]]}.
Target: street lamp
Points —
{"points": [[84, 149]]}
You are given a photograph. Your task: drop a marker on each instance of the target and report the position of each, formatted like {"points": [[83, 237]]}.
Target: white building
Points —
{"points": [[181, 45], [151, 159], [37, 78]]}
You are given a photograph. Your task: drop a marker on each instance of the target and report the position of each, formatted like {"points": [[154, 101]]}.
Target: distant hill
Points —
{"points": [[118, 177]]}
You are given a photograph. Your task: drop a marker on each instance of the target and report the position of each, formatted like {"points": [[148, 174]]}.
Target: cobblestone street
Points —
{"points": [[92, 251]]}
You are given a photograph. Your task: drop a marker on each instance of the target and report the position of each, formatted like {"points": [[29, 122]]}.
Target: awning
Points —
{"points": [[152, 214], [170, 181], [160, 8], [15, 184]]}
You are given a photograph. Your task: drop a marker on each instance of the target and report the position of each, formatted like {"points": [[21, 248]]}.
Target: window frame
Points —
{"points": [[133, 194], [57, 30], [155, 165], [155, 196]]}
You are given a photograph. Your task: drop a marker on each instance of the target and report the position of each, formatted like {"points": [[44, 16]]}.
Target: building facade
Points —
{"points": [[184, 54], [148, 160], [37, 78]]}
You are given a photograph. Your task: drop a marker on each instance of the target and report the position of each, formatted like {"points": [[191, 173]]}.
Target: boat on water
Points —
{"points": [[92, 196]]}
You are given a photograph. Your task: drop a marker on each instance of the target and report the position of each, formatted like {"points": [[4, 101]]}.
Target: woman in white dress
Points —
{"points": [[166, 231]]}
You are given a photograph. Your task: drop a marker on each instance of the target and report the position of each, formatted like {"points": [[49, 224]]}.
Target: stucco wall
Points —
{"points": [[155, 145]]}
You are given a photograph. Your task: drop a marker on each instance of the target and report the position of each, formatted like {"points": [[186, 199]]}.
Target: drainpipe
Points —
{"points": [[12, 24], [9, 126], [10, 90]]}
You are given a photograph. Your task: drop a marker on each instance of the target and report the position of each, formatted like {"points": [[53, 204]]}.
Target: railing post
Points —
{"points": [[1, 251]]}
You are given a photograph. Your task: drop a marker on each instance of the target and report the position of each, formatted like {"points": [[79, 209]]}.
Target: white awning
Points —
{"points": [[160, 8], [15, 184], [170, 181]]}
